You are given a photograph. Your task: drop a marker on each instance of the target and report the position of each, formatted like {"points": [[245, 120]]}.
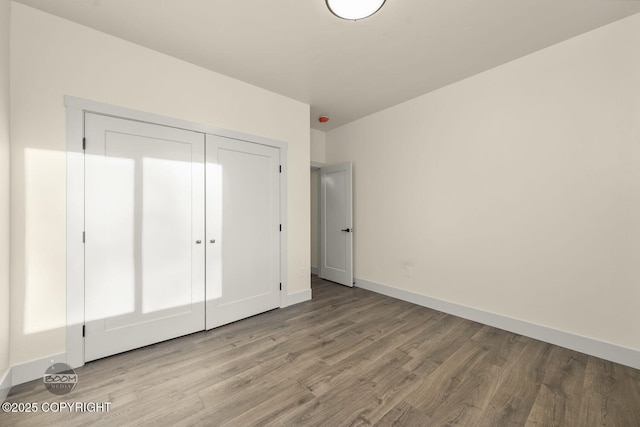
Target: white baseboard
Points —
{"points": [[604, 350], [314, 270], [34, 369], [298, 297], [5, 384]]}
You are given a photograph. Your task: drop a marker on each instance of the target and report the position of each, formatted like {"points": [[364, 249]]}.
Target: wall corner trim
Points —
{"points": [[604, 350]]}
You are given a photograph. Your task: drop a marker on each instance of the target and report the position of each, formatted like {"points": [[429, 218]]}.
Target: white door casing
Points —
{"points": [[336, 224], [243, 229], [144, 222]]}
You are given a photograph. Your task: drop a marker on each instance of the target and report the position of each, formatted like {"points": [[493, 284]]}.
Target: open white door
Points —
{"points": [[243, 229], [336, 228], [144, 223]]}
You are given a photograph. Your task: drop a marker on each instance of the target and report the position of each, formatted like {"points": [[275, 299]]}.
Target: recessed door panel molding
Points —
{"points": [[336, 224], [144, 225], [243, 229]]}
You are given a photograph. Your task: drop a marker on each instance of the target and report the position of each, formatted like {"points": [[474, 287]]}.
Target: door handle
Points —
{"points": [[348, 230]]}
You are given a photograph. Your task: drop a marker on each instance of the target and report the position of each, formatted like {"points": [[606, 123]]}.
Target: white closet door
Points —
{"points": [[144, 223], [243, 230]]}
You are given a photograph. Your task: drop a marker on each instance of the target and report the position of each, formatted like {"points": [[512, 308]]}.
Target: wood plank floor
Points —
{"points": [[349, 357]]}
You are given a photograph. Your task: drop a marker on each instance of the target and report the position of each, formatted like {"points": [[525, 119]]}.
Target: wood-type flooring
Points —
{"points": [[349, 357]]}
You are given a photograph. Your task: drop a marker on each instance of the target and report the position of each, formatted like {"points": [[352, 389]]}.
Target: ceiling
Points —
{"points": [[343, 69]]}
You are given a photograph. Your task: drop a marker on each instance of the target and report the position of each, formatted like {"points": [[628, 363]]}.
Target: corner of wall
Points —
{"points": [[5, 149], [298, 297]]}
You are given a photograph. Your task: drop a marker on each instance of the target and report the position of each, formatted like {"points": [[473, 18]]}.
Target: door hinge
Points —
{"points": [[83, 331], [83, 237], [280, 227], [280, 168], [280, 286], [84, 143]]}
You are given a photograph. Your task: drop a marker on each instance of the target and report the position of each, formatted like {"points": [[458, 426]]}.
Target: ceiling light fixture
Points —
{"points": [[354, 9]]}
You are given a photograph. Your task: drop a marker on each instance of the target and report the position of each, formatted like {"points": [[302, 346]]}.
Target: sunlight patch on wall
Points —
{"points": [[45, 253]]}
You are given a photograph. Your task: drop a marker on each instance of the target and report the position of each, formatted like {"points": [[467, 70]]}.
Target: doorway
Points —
{"points": [[336, 224]]}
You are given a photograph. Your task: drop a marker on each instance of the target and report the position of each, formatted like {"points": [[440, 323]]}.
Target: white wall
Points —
{"points": [[515, 192], [50, 58], [318, 146], [5, 13]]}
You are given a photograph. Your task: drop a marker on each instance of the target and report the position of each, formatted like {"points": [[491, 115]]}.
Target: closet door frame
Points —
{"points": [[76, 109]]}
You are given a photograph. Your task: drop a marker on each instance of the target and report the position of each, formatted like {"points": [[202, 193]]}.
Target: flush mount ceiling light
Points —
{"points": [[354, 9]]}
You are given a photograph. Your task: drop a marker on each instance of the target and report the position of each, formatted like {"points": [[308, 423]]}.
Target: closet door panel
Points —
{"points": [[144, 216], [243, 229]]}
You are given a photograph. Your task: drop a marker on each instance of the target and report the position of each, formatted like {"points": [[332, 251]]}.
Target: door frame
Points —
{"points": [[317, 166], [75, 110]]}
